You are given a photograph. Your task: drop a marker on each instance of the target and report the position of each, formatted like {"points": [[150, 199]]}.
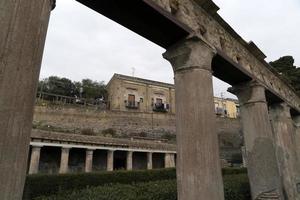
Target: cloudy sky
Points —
{"points": [[83, 44]]}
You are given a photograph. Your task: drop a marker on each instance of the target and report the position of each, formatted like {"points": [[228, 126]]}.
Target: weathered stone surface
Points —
{"points": [[260, 151], [149, 160], [126, 123], [198, 170], [201, 16], [297, 135], [34, 160], [129, 160], [110, 160], [89, 160], [169, 160], [64, 160], [285, 143], [22, 37]]}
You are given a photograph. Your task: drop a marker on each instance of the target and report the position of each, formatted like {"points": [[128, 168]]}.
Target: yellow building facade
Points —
{"points": [[127, 93]]}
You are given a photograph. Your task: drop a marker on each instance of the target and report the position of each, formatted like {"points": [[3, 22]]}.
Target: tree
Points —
{"points": [[62, 86], [285, 66]]}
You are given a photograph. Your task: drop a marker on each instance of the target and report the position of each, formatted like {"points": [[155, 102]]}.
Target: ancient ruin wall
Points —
{"points": [[125, 123]]}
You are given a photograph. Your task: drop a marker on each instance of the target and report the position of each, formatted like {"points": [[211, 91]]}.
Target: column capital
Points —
{"points": [[53, 4], [189, 54], [249, 92]]}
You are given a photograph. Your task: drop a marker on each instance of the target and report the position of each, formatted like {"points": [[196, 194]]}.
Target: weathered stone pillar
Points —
{"points": [[297, 133], [110, 160], [22, 37], [149, 160], [89, 160], [199, 169], [35, 159], [169, 160], [260, 151], [64, 160], [129, 160], [244, 156], [285, 144]]}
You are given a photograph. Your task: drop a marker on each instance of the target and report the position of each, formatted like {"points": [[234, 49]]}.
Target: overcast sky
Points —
{"points": [[83, 44]]}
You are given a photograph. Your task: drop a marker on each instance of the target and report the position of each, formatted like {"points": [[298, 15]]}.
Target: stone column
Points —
{"points": [[89, 160], [169, 160], [244, 156], [149, 160], [260, 151], [64, 160], [285, 144], [22, 37], [35, 159], [199, 169], [129, 160], [297, 133], [110, 160]]}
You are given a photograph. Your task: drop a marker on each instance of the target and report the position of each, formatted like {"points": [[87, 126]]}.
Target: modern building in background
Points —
{"points": [[127, 93]]}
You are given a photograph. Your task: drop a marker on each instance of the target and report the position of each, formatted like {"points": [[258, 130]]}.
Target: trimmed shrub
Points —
{"points": [[39, 184], [235, 182], [230, 171], [161, 190], [236, 188]]}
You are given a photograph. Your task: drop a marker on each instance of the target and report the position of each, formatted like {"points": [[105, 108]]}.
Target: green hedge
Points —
{"points": [[38, 185], [41, 184], [236, 188]]}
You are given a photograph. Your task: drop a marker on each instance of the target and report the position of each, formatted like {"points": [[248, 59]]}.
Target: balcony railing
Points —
{"points": [[159, 107], [132, 104]]}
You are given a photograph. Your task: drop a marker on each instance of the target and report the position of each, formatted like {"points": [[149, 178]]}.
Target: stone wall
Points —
{"points": [[126, 124]]}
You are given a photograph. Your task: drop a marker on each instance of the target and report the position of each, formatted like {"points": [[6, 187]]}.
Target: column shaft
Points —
{"points": [[260, 151], [64, 160], [89, 160], [285, 144], [22, 37], [199, 169], [129, 160], [169, 160], [149, 160], [110, 160], [297, 135], [34, 160]]}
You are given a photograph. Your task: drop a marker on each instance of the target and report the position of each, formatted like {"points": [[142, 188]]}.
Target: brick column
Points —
{"points": [[89, 160], [110, 160], [129, 160], [149, 160], [199, 169], [169, 160], [285, 144], [35, 159], [64, 160], [260, 151], [22, 37]]}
